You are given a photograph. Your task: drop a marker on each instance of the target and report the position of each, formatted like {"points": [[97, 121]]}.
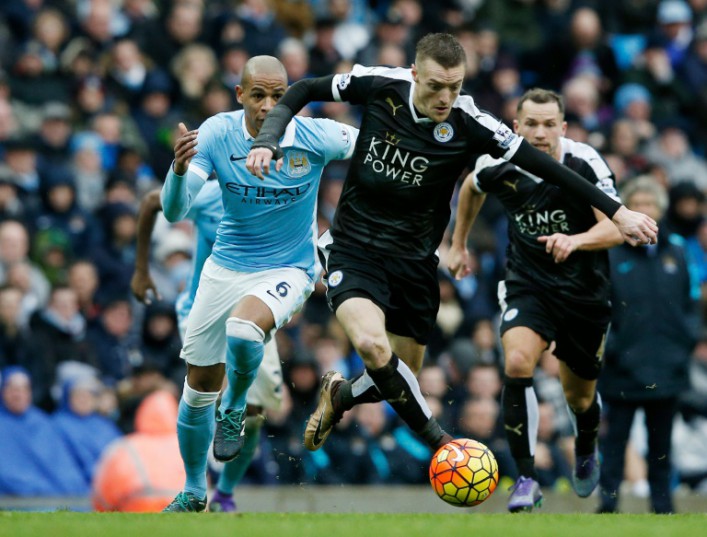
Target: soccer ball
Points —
{"points": [[464, 472]]}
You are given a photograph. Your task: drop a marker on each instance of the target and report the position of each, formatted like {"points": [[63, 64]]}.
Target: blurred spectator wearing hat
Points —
{"points": [[86, 432], [35, 459], [21, 166], [323, 55], [653, 70], [675, 29], [117, 347], [153, 117], [686, 209], [161, 343], [87, 169], [115, 254], [634, 103], [62, 216], [54, 136]]}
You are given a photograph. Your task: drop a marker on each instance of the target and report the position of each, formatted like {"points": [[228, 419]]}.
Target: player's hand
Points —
{"points": [[559, 245], [143, 287], [260, 157], [184, 149], [636, 228], [458, 262]]}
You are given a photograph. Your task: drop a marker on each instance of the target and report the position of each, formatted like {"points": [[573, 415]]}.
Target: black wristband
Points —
{"points": [[269, 142]]}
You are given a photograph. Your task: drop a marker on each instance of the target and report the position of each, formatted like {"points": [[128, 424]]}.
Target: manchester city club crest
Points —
{"points": [[298, 164], [443, 132]]}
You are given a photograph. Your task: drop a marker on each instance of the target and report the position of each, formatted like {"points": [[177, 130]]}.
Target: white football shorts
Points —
{"points": [[283, 290]]}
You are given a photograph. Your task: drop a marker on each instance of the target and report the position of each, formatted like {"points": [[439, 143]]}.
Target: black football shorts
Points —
{"points": [[578, 330], [407, 290]]}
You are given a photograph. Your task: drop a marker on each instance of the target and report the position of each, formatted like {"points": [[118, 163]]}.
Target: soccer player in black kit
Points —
{"points": [[556, 286], [417, 135]]}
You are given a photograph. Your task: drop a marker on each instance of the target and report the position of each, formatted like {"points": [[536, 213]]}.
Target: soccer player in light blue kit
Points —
{"points": [[266, 393], [262, 267]]}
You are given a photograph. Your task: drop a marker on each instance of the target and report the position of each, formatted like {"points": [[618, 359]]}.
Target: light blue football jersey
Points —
{"points": [[206, 213], [267, 223]]}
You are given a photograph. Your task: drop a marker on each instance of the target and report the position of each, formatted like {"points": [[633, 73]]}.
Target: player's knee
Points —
{"points": [[373, 350], [205, 378], [245, 340], [519, 363], [579, 402], [198, 398]]}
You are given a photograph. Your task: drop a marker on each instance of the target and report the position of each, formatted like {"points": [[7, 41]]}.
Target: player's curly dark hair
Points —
{"points": [[442, 48]]}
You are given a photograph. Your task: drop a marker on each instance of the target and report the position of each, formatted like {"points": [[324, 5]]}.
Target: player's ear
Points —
{"points": [[413, 68], [564, 128], [516, 125], [239, 94]]}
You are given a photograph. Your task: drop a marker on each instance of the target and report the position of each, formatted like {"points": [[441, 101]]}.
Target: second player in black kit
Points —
{"points": [[417, 135], [556, 286]]}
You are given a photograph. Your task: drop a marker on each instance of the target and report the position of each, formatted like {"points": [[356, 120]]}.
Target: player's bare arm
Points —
{"points": [[141, 284], [468, 207], [603, 235]]}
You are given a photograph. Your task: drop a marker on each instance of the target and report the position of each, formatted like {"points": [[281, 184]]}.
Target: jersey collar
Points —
{"points": [[287, 140]]}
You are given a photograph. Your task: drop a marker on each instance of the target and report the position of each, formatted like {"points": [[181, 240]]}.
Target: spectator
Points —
{"points": [[35, 459], [654, 329], [15, 338], [86, 433], [58, 336]]}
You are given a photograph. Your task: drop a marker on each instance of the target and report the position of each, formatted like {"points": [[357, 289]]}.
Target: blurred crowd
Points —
{"points": [[91, 92]]}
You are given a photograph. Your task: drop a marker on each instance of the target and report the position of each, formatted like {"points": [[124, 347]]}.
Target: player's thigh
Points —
{"points": [[527, 327], [266, 390], [361, 317], [581, 341], [205, 337], [282, 290], [408, 350]]}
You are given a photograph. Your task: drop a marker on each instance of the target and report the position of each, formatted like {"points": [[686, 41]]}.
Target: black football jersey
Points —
{"points": [[536, 208], [396, 198]]}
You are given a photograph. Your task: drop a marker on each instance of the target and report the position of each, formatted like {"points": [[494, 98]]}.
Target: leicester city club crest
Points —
{"points": [[443, 132]]}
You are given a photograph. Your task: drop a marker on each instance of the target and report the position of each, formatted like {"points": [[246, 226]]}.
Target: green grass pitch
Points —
{"points": [[69, 524]]}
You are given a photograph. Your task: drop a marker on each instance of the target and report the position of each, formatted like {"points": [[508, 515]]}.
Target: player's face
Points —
{"points": [[542, 125], [436, 88], [258, 96]]}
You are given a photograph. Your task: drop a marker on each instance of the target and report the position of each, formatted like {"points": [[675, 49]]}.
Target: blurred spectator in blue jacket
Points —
{"points": [[85, 432], [35, 459]]}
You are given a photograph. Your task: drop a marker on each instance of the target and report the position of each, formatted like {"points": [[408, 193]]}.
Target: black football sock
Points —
{"points": [[397, 385], [520, 420], [357, 391], [586, 427]]}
